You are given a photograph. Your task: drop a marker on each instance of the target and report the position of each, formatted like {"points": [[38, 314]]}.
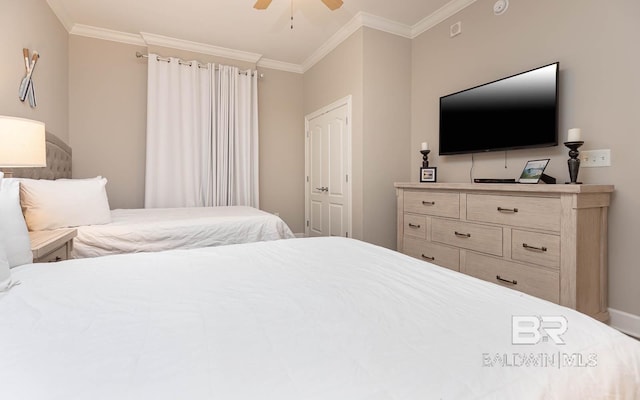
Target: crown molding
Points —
{"points": [[203, 48], [334, 41], [444, 12], [358, 21], [107, 34], [62, 14], [385, 25], [280, 65]]}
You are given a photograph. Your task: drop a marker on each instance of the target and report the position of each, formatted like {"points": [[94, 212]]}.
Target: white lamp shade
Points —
{"points": [[22, 143]]}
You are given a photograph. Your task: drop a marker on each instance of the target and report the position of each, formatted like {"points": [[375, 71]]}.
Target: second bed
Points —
{"points": [[157, 229]]}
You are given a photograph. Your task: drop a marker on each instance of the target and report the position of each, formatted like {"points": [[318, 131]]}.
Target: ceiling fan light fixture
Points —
{"points": [[262, 4], [333, 4]]}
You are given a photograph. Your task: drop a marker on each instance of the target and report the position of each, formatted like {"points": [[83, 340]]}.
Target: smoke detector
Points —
{"points": [[500, 6]]}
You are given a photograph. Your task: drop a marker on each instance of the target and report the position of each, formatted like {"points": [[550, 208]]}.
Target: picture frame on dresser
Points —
{"points": [[533, 171], [429, 174]]}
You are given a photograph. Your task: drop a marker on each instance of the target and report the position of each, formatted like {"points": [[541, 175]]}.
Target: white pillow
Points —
{"points": [[14, 237], [64, 203]]}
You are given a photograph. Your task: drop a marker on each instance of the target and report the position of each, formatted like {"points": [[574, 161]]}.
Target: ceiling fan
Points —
{"points": [[332, 4]]}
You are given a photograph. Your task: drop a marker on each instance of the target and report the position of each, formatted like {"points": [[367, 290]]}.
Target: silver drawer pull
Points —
{"points": [[413, 225], [464, 235], [508, 210], [428, 203], [526, 246], [428, 258], [513, 282]]}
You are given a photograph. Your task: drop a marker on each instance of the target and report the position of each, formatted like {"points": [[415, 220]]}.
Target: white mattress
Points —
{"points": [[323, 318], [157, 229]]}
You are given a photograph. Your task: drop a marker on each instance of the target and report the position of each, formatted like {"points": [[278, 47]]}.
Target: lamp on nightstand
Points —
{"points": [[22, 143]]}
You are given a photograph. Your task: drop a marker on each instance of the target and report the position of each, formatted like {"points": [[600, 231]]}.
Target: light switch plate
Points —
{"points": [[595, 158]]}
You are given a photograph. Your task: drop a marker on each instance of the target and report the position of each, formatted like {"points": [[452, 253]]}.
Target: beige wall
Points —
{"points": [[373, 67], [107, 124], [107, 116], [387, 131], [32, 24], [280, 105], [337, 75], [597, 48]]}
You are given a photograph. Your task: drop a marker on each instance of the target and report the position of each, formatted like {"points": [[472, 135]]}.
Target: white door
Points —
{"points": [[327, 208]]}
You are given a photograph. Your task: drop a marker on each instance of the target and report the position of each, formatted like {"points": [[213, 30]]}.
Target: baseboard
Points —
{"points": [[299, 235], [625, 322]]}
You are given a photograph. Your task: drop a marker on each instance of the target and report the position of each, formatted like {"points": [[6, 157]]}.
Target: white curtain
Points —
{"points": [[202, 135], [236, 133]]}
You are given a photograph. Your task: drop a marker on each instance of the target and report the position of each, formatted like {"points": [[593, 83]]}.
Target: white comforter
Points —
{"points": [[157, 229], [324, 318]]}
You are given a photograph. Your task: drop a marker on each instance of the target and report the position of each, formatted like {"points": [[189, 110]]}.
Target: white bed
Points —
{"points": [[323, 318], [51, 200], [157, 229]]}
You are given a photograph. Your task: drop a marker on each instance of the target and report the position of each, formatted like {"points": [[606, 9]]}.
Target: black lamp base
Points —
{"points": [[573, 162], [425, 158]]}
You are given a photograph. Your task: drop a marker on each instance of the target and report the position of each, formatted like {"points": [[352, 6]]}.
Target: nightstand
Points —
{"points": [[52, 246]]}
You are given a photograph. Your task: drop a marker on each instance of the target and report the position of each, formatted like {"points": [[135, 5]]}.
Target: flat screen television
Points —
{"points": [[516, 112]]}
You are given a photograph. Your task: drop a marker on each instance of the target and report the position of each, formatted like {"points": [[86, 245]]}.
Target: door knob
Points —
{"points": [[323, 189]]}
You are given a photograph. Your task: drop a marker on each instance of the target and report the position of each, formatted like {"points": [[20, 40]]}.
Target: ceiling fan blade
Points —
{"points": [[261, 4], [333, 4]]}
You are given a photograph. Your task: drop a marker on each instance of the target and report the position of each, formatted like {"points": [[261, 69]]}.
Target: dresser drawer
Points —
{"points": [[536, 248], [59, 254], [529, 212], [442, 204], [535, 281], [415, 226], [443, 256], [487, 239]]}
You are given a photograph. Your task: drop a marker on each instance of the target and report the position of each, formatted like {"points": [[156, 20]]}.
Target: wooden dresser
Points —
{"points": [[549, 241]]}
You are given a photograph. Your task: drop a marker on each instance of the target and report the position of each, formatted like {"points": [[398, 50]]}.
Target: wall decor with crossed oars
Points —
{"points": [[26, 86]]}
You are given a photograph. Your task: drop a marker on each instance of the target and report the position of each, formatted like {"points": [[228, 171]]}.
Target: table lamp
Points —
{"points": [[22, 143]]}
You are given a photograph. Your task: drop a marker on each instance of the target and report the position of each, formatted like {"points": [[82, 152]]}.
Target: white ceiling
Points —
{"points": [[234, 24]]}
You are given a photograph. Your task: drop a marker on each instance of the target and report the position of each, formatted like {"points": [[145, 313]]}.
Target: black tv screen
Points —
{"points": [[520, 111]]}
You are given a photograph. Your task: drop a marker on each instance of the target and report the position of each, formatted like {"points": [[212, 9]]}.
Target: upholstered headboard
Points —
{"points": [[58, 162]]}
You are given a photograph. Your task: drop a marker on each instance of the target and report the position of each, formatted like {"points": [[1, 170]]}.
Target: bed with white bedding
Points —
{"points": [[82, 204], [157, 229], [51, 200], [322, 318]]}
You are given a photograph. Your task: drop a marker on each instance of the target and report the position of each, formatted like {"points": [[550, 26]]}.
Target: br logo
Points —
{"points": [[533, 329]]}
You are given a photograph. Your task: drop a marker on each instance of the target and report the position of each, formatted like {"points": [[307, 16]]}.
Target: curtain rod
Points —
{"points": [[190, 63]]}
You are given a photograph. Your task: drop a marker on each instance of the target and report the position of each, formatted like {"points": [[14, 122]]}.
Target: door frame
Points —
{"points": [[307, 160]]}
